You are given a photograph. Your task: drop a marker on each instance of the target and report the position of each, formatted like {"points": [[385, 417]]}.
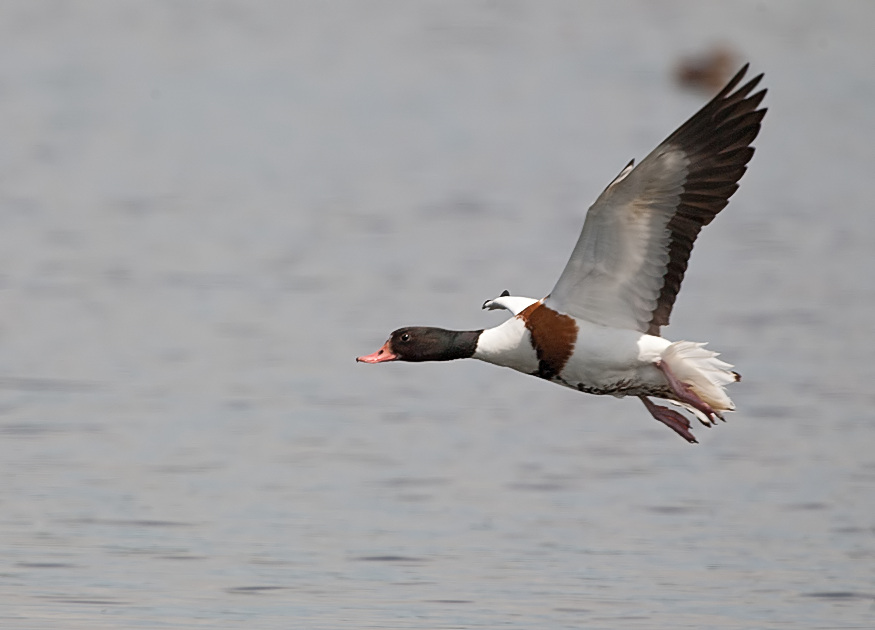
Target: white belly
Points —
{"points": [[614, 361]]}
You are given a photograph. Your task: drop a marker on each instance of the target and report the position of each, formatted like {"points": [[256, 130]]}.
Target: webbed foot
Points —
{"points": [[672, 419]]}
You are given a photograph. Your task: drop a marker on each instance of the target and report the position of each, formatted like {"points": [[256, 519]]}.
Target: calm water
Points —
{"points": [[208, 210]]}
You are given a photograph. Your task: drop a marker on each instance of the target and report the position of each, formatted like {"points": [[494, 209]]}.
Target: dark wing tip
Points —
{"points": [[717, 142], [735, 81]]}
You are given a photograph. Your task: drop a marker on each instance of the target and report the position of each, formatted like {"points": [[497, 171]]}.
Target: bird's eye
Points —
{"points": [[405, 337]]}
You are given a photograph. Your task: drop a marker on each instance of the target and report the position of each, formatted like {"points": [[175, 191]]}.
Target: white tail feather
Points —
{"points": [[706, 375], [701, 417]]}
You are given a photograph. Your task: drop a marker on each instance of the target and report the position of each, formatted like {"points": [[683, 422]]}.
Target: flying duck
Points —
{"points": [[598, 330]]}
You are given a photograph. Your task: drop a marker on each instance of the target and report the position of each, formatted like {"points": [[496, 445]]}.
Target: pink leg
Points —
{"points": [[684, 393], [672, 419]]}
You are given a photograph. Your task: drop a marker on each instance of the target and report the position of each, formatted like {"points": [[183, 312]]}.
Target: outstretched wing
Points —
{"points": [[628, 264]]}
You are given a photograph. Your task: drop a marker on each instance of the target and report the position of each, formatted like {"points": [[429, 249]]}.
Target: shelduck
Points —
{"points": [[598, 330]]}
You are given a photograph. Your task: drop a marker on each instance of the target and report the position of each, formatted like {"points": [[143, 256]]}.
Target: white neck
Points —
{"points": [[508, 345]]}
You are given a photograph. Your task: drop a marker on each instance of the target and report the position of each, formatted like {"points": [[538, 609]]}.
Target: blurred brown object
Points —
{"points": [[706, 72]]}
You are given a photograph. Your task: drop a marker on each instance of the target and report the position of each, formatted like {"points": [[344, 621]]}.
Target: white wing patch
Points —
{"points": [[513, 303]]}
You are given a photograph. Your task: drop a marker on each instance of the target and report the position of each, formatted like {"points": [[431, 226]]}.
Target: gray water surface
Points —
{"points": [[207, 210]]}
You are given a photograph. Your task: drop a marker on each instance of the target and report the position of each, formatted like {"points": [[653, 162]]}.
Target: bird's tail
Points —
{"points": [[704, 373]]}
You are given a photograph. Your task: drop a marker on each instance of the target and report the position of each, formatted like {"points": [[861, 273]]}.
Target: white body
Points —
{"points": [[614, 361]]}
